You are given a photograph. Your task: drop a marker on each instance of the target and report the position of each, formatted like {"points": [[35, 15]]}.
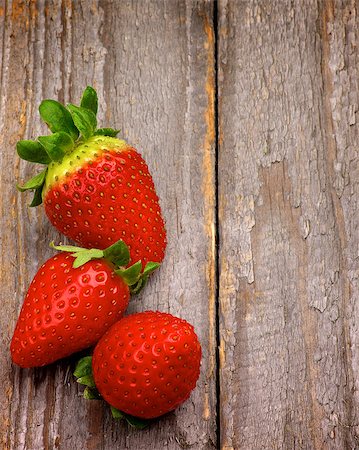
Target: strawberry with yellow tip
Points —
{"points": [[96, 188]]}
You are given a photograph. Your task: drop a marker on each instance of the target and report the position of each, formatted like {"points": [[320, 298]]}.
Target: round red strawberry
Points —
{"points": [[72, 300], [147, 364], [96, 188]]}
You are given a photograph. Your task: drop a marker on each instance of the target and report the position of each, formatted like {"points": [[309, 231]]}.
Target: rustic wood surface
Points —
{"points": [[152, 64], [288, 221], [246, 112]]}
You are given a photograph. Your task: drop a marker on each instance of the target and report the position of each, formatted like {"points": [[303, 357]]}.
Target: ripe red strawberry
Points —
{"points": [[96, 188], [71, 302], [147, 364]]}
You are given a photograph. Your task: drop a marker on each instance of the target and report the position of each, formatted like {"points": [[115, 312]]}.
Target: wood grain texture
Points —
{"points": [[288, 210], [152, 63], [287, 206]]}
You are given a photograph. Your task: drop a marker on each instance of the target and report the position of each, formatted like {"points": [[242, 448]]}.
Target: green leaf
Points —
{"points": [[85, 256], [37, 198], [131, 275], [107, 132], [66, 248], [84, 367], [84, 119], [58, 118], [35, 183], [116, 413], [89, 99], [141, 282], [137, 287], [57, 145], [81, 255], [83, 373], [150, 267], [91, 394], [118, 253], [87, 380], [32, 151], [134, 422]]}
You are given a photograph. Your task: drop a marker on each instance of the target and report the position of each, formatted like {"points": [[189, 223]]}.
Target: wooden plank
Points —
{"points": [[288, 164], [152, 64]]}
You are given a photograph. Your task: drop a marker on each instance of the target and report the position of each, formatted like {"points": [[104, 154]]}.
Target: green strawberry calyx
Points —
{"points": [[84, 376], [72, 127], [119, 255]]}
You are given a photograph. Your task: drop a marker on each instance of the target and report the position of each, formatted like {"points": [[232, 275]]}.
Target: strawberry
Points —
{"points": [[96, 188], [72, 300], [145, 365]]}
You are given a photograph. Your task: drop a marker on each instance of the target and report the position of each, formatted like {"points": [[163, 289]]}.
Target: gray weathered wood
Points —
{"points": [[152, 63], [287, 205], [288, 209]]}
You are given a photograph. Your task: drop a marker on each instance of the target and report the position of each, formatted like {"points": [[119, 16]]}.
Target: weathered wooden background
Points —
{"points": [[247, 113]]}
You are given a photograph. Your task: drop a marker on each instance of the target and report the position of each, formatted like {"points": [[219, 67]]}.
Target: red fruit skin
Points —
{"points": [[147, 364], [112, 197], [66, 310]]}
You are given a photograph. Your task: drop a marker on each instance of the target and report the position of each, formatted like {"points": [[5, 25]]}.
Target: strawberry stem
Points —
{"points": [[134, 277], [81, 255], [118, 254]]}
